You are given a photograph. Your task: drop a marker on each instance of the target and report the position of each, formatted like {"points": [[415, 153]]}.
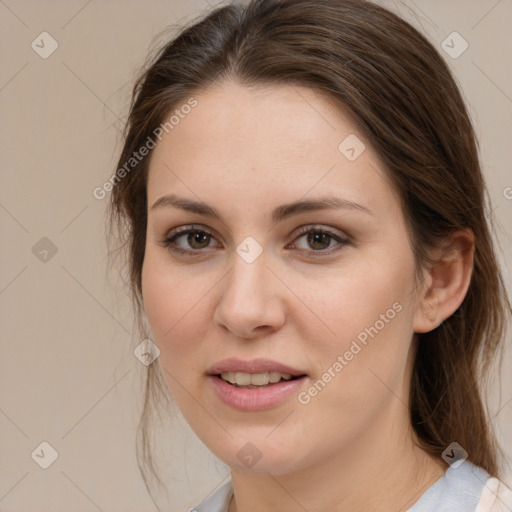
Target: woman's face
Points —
{"points": [[269, 287]]}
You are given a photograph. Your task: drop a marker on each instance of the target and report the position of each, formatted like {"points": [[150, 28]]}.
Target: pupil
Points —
{"points": [[315, 238], [198, 237]]}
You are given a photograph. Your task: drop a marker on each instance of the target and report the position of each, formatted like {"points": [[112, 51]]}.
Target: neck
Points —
{"points": [[381, 471]]}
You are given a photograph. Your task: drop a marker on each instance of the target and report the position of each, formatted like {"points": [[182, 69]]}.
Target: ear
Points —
{"points": [[447, 281]]}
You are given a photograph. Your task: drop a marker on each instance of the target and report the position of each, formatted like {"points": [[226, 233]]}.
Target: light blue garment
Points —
{"points": [[459, 490], [216, 502]]}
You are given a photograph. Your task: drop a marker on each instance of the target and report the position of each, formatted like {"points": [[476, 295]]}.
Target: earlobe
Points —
{"points": [[448, 282], [431, 311], [427, 314]]}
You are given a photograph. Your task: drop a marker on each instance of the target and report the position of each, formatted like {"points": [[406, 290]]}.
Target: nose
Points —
{"points": [[251, 302]]}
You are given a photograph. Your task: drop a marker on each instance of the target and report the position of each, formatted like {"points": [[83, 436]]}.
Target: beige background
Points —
{"points": [[68, 373]]}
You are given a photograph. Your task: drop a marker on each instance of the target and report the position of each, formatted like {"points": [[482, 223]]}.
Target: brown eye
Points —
{"points": [[319, 241], [199, 238], [188, 240]]}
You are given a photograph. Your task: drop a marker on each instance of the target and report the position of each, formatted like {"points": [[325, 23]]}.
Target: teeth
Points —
{"points": [[274, 377], [259, 379], [242, 379], [254, 379]]}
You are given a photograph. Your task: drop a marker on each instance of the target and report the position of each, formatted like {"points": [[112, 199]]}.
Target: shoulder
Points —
{"points": [[495, 497]]}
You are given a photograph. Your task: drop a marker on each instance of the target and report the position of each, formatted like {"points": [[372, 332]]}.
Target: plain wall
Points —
{"points": [[68, 375]]}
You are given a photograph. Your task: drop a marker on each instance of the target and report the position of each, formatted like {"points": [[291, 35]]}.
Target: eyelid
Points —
{"points": [[320, 228]]}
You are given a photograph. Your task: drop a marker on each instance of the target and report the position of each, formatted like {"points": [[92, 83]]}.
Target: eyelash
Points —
{"points": [[169, 240]]}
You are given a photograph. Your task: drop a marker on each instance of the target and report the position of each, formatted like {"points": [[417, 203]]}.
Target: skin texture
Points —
{"points": [[246, 151]]}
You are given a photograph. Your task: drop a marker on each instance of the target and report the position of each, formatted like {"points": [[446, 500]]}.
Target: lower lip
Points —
{"points": [[255, 399]]}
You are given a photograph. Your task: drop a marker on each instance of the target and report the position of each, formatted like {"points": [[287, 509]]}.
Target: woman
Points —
{"points": [[305, 218]]}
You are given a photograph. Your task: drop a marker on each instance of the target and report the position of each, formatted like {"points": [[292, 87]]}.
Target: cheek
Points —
{"points": [[367, 297], [175, 307], [359, 373], [370, 314], [174, 313]]}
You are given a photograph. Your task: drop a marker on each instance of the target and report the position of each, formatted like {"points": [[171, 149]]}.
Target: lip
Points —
{"points": [[255, 399], [259, 365]]}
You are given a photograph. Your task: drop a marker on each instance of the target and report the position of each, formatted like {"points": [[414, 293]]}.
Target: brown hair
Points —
{"points": [[406, 103]]}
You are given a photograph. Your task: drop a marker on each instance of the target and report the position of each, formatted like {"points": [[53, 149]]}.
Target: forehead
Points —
{"points": [[264, 120], [262, 141]]}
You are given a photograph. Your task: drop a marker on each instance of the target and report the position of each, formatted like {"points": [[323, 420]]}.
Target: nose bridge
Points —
{"points": [[248, 282], [249, 299]]}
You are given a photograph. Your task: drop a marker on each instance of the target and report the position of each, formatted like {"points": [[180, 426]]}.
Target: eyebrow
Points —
{"points": [[278, 214]]}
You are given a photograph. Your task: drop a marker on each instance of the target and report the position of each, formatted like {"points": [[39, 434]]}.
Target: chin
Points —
{"points": [[258, 456]]}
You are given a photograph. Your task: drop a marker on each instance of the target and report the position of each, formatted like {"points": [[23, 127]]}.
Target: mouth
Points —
{"points": [[255, 385], [256, 380]]}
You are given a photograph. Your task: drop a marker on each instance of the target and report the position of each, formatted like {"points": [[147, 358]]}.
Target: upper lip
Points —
{"points": [[258, 365]]}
